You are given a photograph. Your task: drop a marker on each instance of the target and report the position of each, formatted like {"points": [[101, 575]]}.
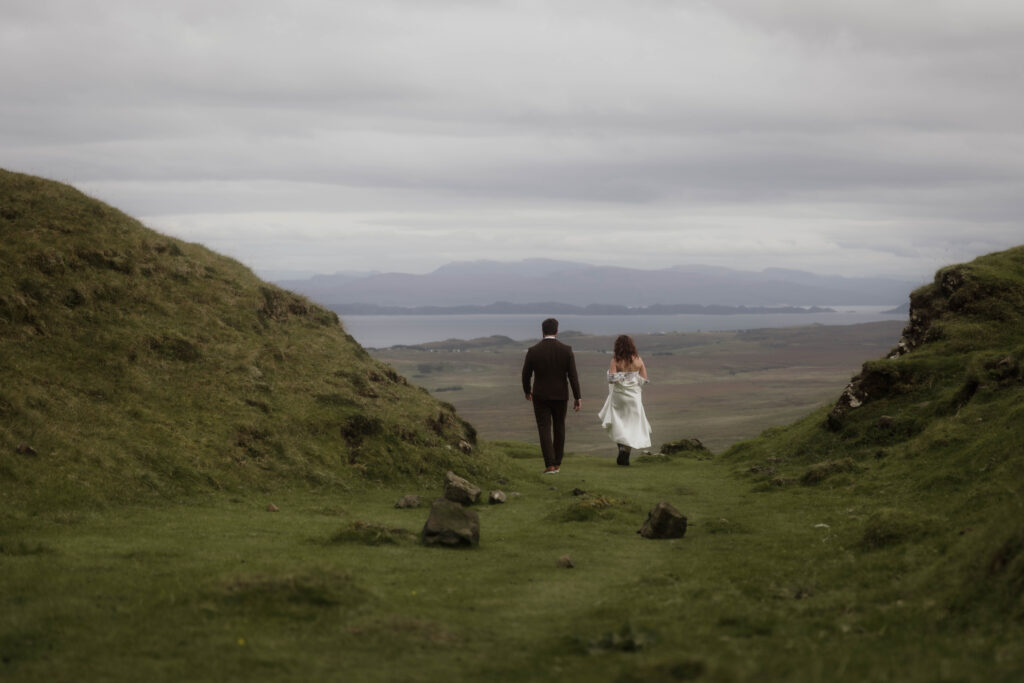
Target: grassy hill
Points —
{"points": [[880, 538], [134, 364], [931, 438]]}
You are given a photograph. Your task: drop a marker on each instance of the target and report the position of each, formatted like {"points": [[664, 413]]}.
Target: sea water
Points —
{"points": [[382, 331]]}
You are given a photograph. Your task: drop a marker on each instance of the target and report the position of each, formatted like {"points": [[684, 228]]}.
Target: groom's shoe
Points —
{"points": [[551, 470]]}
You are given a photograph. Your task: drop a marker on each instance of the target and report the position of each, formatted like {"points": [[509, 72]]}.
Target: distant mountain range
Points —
{"points": [[485, 283], [555, 308]]}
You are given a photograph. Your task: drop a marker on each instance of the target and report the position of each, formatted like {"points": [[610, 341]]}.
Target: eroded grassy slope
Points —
{"points": [[134, 364], [933, 438]]}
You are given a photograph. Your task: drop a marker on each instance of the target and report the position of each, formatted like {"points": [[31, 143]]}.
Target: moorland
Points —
{"points": [[198, 477], [718, 387]]}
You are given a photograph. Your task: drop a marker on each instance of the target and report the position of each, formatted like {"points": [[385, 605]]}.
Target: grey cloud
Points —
{"points": [[410, 113]]}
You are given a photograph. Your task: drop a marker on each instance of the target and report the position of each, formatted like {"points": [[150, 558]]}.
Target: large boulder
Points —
{"points": [[664, 521], [450, 525], [458, 490]]}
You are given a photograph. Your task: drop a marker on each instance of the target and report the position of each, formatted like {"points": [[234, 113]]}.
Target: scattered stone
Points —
{"points": [[664, 521], [408, 502], [465, 447], [565, 562], [451, 526], [273, 508], [514, 494], [458, 490], [884, 422], [25, 449], [578, 492], [628, 639], [496, 497]]}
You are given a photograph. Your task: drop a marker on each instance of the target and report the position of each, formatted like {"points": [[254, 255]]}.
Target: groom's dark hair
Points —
{"points": [[549, 327]]}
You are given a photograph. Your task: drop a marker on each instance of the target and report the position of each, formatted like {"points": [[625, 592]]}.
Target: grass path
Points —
{"points": [[765, 586]]}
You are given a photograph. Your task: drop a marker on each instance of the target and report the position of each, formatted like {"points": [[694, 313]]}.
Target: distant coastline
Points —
{"points": [[554, 308], [382, 331]]}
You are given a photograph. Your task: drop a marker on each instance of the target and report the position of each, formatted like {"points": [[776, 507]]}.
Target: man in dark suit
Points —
{"points": [[551, 363]]}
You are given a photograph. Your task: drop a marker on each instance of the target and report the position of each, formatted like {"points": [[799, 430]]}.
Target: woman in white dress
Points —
{"points": [[623, 416]]}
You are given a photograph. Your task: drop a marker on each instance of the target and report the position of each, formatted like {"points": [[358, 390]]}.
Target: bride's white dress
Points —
{"points": [[623, 416]]}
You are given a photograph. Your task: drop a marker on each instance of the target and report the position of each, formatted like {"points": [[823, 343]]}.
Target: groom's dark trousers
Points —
{"points": [[552, 367], [551, 427]]}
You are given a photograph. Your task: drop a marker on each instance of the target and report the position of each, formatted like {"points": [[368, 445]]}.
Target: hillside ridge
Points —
{"points": [[484, 283], [934, 429], [132, 363]]}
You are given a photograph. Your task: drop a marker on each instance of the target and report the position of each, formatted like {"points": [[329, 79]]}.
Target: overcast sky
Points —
{"points": [[862, 137]]}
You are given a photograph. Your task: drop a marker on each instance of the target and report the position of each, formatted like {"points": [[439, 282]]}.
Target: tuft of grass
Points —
{"points": [[589, 507], [626, 639], [518, 450], [892, 526], [21, 548], [290, 595], [819, 472], [688, 448], [366, 533], [724, 526]]}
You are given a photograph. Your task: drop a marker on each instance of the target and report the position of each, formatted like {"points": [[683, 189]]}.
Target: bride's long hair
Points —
{"points": [[625, 351]]}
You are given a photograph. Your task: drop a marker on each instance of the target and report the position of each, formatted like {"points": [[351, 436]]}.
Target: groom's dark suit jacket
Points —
{"points": [[551, 363]]}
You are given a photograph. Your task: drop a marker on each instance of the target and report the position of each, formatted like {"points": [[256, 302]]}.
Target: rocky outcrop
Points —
{"points": [[928, 305], [451, 526], [877, 379]]}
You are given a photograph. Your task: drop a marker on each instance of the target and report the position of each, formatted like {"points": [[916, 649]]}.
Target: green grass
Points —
{"points": [[140, 367], [823, 583], [158, 403]]}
